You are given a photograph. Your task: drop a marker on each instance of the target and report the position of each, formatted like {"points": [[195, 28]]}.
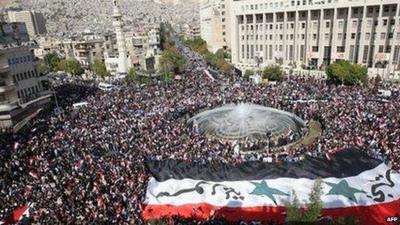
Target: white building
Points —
{"points": [[35, 22], [118, 26], [23, 91], [316, 33], [215, 24]]}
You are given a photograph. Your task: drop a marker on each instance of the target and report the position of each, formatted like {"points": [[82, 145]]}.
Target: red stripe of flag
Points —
{"points": [[16, 215], [367, 215]]}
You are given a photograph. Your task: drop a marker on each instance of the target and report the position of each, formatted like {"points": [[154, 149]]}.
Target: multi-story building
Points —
{"points": [[34, 21], [23, 91], [316, 33], [85, 51], [13, 33], [215, 24]]}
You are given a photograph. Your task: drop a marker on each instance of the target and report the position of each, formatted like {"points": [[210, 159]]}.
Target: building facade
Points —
{"points": [[315, 33], [215, 24], [34, 21], [23, 91], [85, 51]]}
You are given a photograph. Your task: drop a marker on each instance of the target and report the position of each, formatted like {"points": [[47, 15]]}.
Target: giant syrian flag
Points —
{"points": [[354, 184]]}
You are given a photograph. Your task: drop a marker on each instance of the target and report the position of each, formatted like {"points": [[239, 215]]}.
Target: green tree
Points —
{"points": [[172, 61], [51, 61], [43, 69], [293, 212], [315, 203], [100, 69], [344, 72], [248, 73], [312, 210], [273, 73], [71, 66], [199, 45], [131, 76]]}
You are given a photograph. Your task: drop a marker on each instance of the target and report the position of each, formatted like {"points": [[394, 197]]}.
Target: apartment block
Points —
{"points": [[23, 91], [34, 21], [215, 24]]}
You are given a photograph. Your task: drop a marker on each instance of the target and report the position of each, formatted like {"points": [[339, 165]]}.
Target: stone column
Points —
{"points": [[285, 41], [307, 46], [377, 37], [334, 35], [348, 35], [296, 50], [395, 41], [246, 34], [321, 38], [273, 35], [236, 40], [362, 37]]}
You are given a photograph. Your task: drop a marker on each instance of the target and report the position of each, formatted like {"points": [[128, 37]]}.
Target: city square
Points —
{"points": [[185, 135]]}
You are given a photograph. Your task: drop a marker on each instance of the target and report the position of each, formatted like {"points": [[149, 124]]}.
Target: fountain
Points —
{"points": [[250, 124]]}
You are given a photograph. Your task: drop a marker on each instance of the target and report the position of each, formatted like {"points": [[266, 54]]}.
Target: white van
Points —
{"points": [[384, 93], [105, 86], [80, 104]]}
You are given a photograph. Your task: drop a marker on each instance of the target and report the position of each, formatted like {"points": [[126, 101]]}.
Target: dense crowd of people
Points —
{"points": [[85, 165]]}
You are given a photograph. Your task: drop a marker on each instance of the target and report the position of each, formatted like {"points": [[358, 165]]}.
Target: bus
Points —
{"points": [[105, 86]]}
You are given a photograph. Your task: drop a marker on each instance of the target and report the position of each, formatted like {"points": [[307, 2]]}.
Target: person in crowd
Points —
{"points": [[86, 165]]}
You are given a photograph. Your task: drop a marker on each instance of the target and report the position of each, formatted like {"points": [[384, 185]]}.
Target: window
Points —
{"points": [[388, 49], [340, 36], [340, 24], [340, 49], [327, 24], [367, 36], [315, 48], [383, 36], [385, 22], [381, 48], [314, 36], [354, 24], [353, 35]]}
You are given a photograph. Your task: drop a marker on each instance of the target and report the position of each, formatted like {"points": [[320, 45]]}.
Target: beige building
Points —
{"points": [[316, 33], [23, 91], [35, 22], [85, 51], [215, 24]]}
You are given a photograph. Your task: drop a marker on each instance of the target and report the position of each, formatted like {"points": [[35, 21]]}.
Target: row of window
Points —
{"points": [[273, 5], [327, 36], [25, 75], [315, 24], [279, 4], [252, 51], [21, 59], [28, 92]]}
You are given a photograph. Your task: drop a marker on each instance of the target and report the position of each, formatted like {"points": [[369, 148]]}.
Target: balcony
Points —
{"points": [[6, 87], [42, 78], [8, 105], [4, 68], [35, 98]]}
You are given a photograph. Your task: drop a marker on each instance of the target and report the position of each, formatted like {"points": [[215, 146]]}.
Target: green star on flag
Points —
{"points": [[343, 188], [262, 189]]}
